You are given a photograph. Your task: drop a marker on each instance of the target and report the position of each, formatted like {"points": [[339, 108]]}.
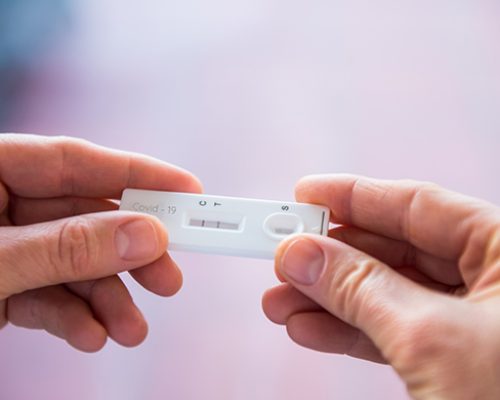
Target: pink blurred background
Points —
{"points": [[250, 95]]}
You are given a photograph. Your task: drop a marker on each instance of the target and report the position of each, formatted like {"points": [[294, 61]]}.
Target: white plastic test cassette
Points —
{"points": [[227, 225]]}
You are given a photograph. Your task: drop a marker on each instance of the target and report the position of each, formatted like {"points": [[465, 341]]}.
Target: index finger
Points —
{"points": [[435, 220], [42, 167]]}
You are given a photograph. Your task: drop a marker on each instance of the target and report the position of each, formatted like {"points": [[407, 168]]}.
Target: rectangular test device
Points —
{"points": [[227, 225]]}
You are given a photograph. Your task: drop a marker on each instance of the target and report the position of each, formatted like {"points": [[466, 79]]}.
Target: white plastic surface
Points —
{"points": [[227, 225]]}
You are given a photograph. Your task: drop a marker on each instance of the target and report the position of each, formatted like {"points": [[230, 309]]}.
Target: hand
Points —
{"points": [[411, 277], [62, 242]]}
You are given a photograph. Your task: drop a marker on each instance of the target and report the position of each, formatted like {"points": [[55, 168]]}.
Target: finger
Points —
{"points": [[77, 249], [282, 301], [36, 166], [437, 221], [162, 277], [351, 285], [26, 211], [113, 306], [397, 253], [60, 313], [321, 331], [389, 252], [311, 327]]}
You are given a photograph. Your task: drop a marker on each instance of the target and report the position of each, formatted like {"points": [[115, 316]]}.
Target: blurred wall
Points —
{"points": [[250, 95], [27, 30]]}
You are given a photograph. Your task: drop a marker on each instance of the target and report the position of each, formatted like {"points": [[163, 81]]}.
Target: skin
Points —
{"points": [[410, 276], [63, 242]]}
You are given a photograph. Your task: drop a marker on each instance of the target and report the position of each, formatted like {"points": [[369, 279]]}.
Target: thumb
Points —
{"points": [[355, 287], [86, 247]]}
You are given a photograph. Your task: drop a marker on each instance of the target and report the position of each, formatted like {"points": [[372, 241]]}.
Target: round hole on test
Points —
{"points": [[280, 225]]}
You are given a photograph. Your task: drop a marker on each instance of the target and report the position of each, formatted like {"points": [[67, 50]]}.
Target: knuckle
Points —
{"points": [[12, 255], [420, 185], [76, 248], [70, 142], [352, 287], [68, 148], [417, 193]]}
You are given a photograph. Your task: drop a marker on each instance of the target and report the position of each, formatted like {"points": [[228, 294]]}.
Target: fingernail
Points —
{"points": [[136, 240], [303, 262]]}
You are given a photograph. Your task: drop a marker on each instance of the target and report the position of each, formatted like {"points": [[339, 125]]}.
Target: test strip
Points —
{"points": [[227, 225]]}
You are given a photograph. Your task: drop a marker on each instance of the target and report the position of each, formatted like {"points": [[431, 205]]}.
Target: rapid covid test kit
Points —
{"points": [[227, 225]]}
